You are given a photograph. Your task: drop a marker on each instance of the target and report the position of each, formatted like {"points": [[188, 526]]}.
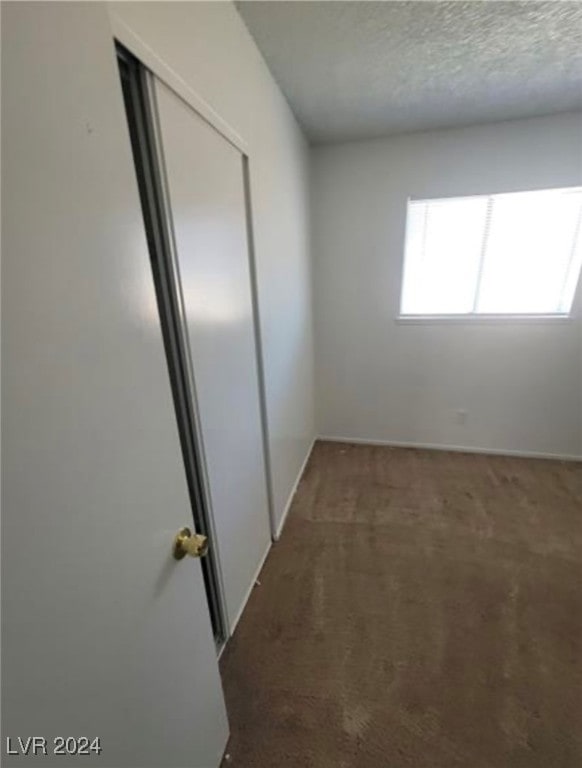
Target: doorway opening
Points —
{"points": [[142, 128]]}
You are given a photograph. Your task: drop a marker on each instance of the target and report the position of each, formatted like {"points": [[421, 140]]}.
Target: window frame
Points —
{"points": [[477, 318]]}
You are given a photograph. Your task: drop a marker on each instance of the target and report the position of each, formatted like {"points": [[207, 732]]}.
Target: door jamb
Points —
{"points": [[141, 50]]}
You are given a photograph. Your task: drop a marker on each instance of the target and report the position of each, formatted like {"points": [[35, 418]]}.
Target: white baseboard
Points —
{"points": [[293, 491], [249, 590], [454, 448]]}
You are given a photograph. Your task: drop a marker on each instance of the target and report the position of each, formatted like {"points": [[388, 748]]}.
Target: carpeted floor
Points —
{"points": [[422, 610]]}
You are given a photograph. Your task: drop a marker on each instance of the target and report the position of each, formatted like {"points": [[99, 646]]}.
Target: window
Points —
{"points": [[508, 254]]}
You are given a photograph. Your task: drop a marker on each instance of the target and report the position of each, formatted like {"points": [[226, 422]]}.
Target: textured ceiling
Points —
{"points": [[361, 69]]}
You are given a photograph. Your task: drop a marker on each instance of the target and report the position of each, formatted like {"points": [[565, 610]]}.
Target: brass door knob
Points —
{"points": [[188, 543]]}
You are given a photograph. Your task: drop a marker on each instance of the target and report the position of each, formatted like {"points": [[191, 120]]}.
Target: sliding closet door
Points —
{"points": [[205, 186]]}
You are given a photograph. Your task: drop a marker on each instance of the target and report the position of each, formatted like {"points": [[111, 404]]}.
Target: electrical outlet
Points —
{"points": [[460, 416]]}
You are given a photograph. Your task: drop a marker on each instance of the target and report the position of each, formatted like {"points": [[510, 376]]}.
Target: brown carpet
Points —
{"points": [[422, 610]]}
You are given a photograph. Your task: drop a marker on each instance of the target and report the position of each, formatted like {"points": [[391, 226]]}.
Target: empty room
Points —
{"points": [[291, 384]]}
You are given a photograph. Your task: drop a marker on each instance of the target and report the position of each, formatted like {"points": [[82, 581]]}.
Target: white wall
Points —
{"points": [[521, 385], [208, 46]]}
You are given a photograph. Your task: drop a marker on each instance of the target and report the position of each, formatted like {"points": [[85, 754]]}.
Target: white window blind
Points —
{"points": [[507, 254]]}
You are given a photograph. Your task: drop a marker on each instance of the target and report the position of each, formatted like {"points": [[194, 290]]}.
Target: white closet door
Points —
{"points": [[104, 634], [207, 200]]}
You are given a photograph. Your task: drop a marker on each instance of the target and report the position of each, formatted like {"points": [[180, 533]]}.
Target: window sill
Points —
{"points": [[482, 319]]}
